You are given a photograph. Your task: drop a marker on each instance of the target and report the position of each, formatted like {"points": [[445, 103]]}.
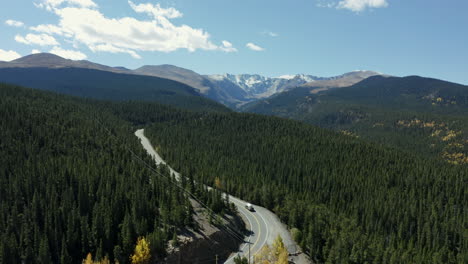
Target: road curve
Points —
{"points": [[265, 225]]}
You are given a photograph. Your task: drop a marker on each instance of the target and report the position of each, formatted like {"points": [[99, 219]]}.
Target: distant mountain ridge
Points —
{"points": [[47, 60], [235, 90], [344, 80], [229, 89], [172, 72], [226, 94], [411, 92], [91, 80], [259, 87]]}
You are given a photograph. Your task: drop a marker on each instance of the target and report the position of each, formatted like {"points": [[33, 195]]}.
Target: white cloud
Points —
{"points": [[112, 49], [53, 4], [14, 23], [155, 10], [361, 5], [35, 39], [325, 3], [68, 54], [8, 55], [227, 47], [35, 51], [51, 29], [270, 33], [84, 24], [254, 47], [353, 5]]}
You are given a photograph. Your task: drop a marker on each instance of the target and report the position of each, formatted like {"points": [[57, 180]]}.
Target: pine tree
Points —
{"points": [[64, 256], [44, 252]]}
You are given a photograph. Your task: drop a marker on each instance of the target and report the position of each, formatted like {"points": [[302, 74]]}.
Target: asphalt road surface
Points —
{"points": [[264, 225]]}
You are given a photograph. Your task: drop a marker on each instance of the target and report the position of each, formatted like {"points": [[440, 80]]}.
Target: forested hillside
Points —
{"points": [[405, 93], [426, 134], [421, 115], [347, 200], [69, 185], [105, 85]]}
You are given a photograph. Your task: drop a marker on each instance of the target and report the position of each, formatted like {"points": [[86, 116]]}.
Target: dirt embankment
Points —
{"points": [[208, 242]]}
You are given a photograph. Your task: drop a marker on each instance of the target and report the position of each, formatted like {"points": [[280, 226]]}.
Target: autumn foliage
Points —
{"points": [[142, 252], [89, 260], [276, 254]]}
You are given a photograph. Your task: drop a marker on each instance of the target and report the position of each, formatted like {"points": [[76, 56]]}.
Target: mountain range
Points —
{"points": [[231, 90], [364, 103], [258, 87], [47, 60]]}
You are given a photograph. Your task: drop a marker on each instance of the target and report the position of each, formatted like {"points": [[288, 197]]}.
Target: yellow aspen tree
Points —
{"points": [[265, 256], [89, 259], [283, 257], [105, 260], [142, 252], [218, 183], [278, 247]]}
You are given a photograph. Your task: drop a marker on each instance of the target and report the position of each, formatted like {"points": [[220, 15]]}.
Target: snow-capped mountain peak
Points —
{"points": [[258, 86], [304, 77], [287, 76]]}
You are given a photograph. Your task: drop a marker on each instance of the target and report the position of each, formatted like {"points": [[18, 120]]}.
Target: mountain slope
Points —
{"points": [[229, 95], [68, 187], [410, 92], [175, 73], [344, 80], [72, 183], [47, 60], [107, 85], [422, 115], [347, 200]]}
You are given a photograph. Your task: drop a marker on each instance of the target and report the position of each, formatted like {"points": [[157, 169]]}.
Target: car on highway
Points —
{"points": [[249, 207]]}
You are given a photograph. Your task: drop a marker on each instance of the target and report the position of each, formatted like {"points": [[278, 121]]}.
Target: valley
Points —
{"points": [[377, 140]]}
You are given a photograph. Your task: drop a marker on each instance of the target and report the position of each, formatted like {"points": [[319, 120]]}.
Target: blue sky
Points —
{"points": [[269, 37]]}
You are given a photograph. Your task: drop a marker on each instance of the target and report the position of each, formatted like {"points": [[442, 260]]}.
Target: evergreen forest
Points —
{"points": [[74, 183], [345, 200], [70, 185]]}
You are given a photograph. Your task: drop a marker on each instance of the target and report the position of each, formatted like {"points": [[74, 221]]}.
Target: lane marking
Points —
{"points": [[266, 227], [259, 231]]}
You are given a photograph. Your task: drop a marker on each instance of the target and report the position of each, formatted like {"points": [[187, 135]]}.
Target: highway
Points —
{"points": [[259, 230], [265, 225]]}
